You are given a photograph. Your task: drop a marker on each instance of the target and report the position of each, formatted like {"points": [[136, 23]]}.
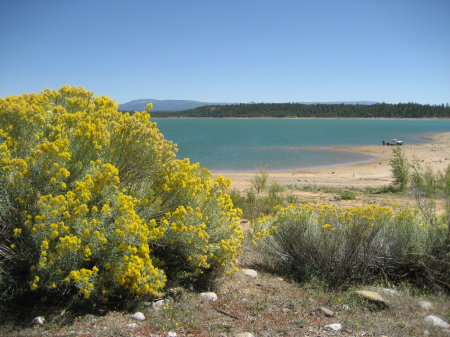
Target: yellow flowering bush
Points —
{"points": [[94, 202], [355, 244]]}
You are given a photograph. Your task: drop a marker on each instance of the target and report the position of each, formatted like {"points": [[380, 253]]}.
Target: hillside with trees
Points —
{"points": [[379, 110]]}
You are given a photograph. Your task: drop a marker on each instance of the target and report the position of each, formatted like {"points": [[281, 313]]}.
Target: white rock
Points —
{"points": [[334, 327], [436, 321], [139, 316], [132, 325], [345, 307], [158, 304], [426, 305], [208, 296], [250, 272], [390, 292], [171, 334], [327, 312], [373, 297], [39, 320], [244, 334]]}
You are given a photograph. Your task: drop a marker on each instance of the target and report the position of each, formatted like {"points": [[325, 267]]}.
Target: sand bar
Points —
{"points": [[375, 173]]}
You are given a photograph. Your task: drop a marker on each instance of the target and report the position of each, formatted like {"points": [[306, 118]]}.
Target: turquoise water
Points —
{"points": [[286, 144]]}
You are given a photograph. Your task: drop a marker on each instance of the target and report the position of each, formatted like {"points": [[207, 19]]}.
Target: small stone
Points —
{"points": [[436, 321], [390, 292], [39, 320], [244, 334], [327, 312], [346, 307], [334, 327], [171, 334], [132, 325], [158, 304], [139, 316], [425, 305], [286, 310], [250, 272], [208, 296], [373, 297]]}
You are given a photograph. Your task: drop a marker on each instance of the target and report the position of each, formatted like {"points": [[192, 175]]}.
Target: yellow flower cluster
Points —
{"points": [[100, 194], [361, 221], [84, 279]]}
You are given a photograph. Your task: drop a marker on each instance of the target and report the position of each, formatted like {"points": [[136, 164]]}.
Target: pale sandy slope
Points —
{"points": [[370, 174]]}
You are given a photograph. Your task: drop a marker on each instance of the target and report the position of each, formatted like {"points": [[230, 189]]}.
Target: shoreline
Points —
{"points": [[373, 173]]}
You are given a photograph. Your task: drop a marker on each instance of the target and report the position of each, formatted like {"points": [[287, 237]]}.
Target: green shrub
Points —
{"points": [[353, 245], [400, 168], [94, 203], [348, 195], [259, 182]]}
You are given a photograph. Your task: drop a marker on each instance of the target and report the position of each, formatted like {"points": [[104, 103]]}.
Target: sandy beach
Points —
{"points": [[375, 173]]}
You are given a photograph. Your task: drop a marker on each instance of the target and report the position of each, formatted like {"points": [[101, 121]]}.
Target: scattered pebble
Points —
{"points": [[132, 325], [244, 334], [390, 292], [426, 305], [346, 307], [334, 327], [327, 312], [39, 320], [436, 321], [373, 297], [250, 272], [208, 296], [171, 334], [160, 303], [139, 316]]}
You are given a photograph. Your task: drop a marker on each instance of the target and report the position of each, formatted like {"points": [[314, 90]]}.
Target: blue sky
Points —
{"points": [[230, 50]]}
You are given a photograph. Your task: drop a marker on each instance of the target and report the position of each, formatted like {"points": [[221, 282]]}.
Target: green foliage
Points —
{"points": [[353, 245], [400, 168], [94, 203], [259, 182], [261, 198], [347, 195]]}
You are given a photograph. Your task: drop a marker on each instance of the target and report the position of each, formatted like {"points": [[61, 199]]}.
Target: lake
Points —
{"points": [[249, 145]]}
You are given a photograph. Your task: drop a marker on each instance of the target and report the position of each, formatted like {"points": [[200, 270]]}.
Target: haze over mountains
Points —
{"points": [[179, 105]]}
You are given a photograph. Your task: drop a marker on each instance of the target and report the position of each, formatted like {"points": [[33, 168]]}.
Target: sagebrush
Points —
{"points": [[343, 246]]}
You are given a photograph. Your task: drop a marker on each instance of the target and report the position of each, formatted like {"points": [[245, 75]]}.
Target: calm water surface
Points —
{"points": [[286, 144]]}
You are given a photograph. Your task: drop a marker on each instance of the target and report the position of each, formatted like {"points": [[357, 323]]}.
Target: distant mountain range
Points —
{"points": [[164, 105], [179, 105]]}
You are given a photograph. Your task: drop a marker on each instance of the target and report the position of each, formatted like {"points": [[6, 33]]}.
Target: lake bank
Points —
{"points": [[375, 173]]}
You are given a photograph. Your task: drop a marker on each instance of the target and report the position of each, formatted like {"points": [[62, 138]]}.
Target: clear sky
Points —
{"points": [[230, 50]]}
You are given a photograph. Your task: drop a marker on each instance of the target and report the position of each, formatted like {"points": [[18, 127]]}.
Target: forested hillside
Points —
{"points": [[402, 110]]}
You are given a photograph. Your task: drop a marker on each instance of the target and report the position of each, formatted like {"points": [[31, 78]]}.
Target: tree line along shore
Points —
{"points": [[297, 110]]}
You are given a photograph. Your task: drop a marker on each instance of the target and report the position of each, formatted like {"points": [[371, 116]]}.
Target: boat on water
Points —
{"points": [[394, 142]]}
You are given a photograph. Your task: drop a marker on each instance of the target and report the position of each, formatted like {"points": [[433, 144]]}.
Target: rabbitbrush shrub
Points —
{"points": [[94, 203], [341, 246]]}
